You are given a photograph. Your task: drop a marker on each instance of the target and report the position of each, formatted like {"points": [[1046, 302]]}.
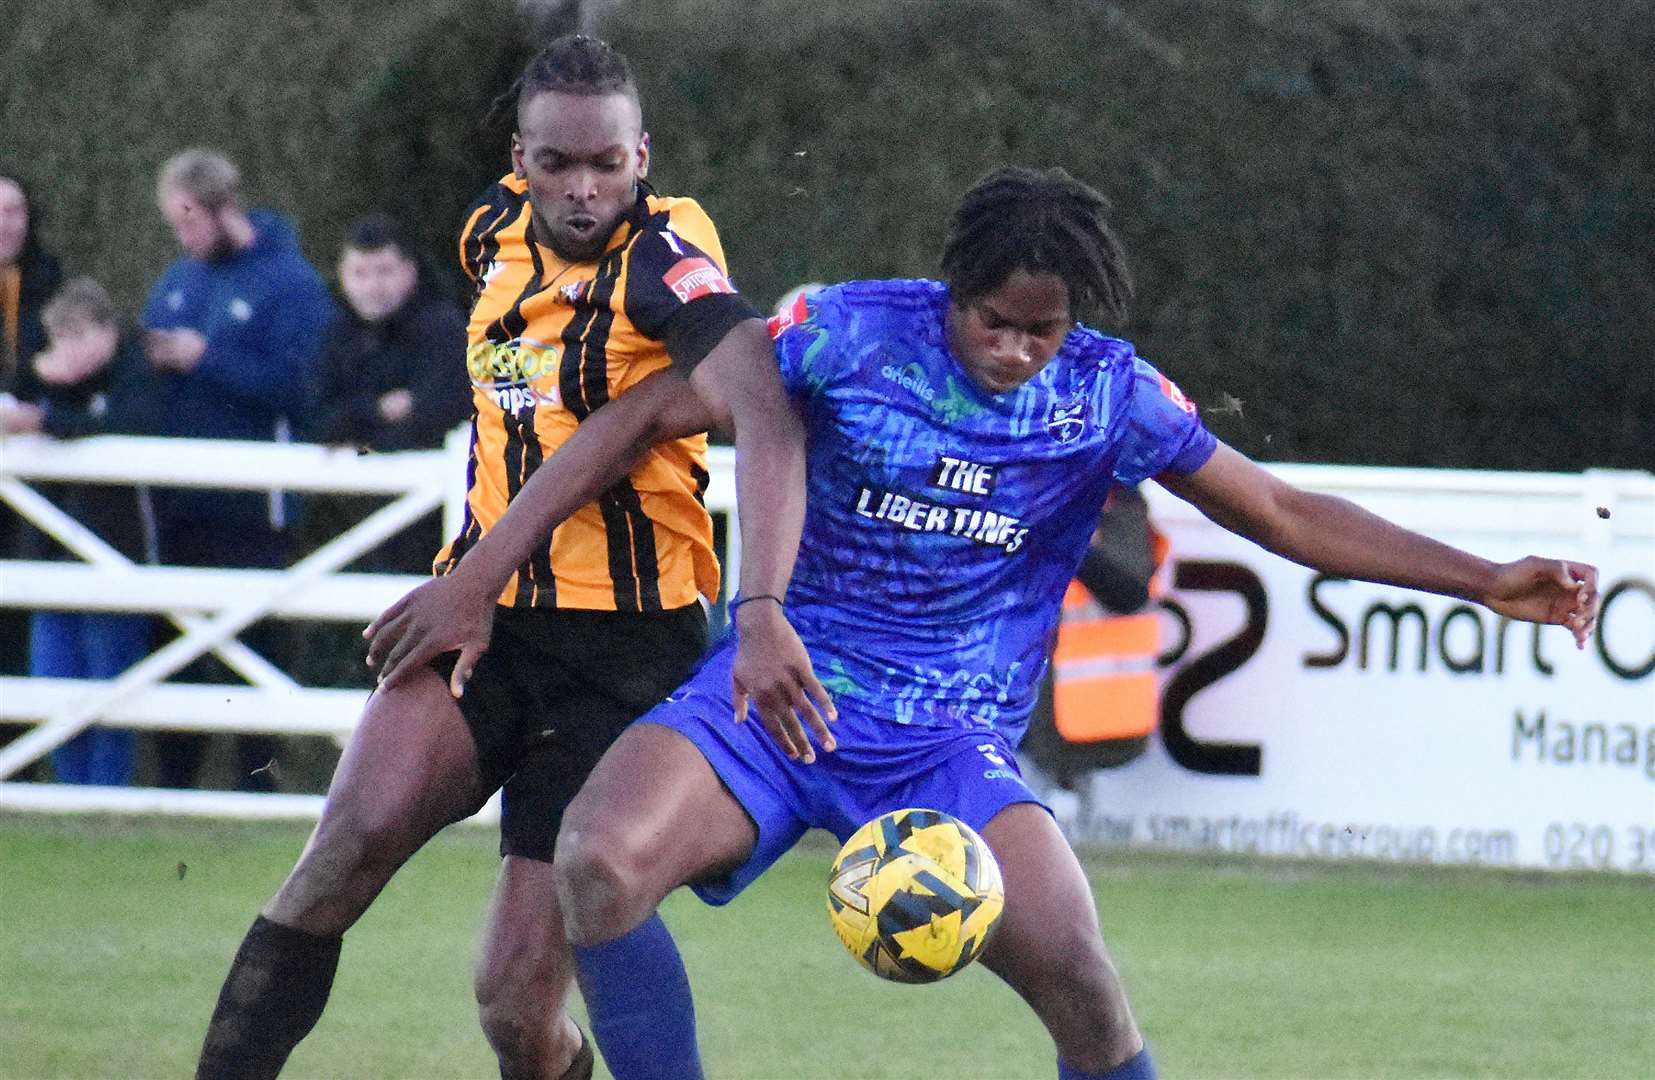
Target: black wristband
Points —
{"points": [[740, 600]]}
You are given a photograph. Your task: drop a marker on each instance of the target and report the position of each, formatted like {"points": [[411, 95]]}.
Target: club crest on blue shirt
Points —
{"points": [[1066, 419]]}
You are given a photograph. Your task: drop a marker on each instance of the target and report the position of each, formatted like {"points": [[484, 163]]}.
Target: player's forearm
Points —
{"points": [[1338, 537], [598, 455], [770, 500], [741, 381]]}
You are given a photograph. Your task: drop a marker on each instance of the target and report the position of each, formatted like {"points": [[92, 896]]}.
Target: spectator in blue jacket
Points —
{"points": [[233, 327]]}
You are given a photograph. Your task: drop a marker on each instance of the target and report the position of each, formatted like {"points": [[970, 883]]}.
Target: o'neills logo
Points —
{"points": [[910, 377], [692, 278]]}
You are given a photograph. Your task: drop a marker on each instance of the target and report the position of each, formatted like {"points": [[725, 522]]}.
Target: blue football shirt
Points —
{"points": [[944, 523]]}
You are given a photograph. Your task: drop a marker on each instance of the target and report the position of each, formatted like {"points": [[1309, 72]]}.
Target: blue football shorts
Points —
{"points": [[880, 765]]}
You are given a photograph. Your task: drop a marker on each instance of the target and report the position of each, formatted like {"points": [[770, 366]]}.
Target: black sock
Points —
{"points": [[585, 1061], [274, 994]]}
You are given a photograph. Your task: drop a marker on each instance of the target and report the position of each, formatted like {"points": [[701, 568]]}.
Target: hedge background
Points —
{"points": [[1416, 232]]}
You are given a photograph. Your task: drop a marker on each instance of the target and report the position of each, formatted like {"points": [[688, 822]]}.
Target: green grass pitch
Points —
{"points": [[115, 933]]}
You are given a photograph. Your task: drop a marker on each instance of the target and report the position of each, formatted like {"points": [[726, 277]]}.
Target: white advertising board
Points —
{"points": [[1321, 718]]}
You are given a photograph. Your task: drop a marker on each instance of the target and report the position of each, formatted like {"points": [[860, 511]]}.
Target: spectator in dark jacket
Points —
{"points": [[233, 328], [392, 374], [91, 382], [392, 377], [28, 277]]}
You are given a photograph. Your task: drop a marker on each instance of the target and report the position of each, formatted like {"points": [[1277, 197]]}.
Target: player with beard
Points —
{"points": [[588, 282]]}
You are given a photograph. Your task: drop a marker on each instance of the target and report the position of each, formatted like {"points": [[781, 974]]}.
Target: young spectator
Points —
{"points": [[233, 328], [392, 373], [391, 377], [91, 381]]}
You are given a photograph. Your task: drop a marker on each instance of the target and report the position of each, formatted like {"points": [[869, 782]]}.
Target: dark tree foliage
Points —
{"points": [[1411, 232]]}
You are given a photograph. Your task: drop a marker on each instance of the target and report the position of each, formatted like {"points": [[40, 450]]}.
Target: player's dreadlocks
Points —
{"points": [[572, 64], [1042, 222]]}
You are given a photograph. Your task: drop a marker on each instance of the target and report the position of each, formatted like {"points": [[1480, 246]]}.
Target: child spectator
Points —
{"points": [[91, 380], [392, 374]]}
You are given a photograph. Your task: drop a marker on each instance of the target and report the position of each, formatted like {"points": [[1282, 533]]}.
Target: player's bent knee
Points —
{"points": [[1074, 973], [1088, 987], [510, 1028], [355, 844], [1091, 976], [600, 883]]}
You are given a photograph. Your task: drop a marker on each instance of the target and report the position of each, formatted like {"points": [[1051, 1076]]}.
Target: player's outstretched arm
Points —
{"points": [[1338, 537]]}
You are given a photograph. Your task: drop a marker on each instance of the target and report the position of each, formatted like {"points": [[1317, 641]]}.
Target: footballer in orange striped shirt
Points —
{"points": [[577, 302]]}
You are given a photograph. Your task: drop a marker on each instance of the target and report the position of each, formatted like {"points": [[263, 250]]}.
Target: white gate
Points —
{"points": [[210, 606]]}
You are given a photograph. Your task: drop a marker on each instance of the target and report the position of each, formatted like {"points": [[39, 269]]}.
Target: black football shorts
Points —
{"points": [[554, 691]]}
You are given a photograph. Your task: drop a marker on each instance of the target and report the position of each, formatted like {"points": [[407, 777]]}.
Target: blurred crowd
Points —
{"points": [[240, 337]]}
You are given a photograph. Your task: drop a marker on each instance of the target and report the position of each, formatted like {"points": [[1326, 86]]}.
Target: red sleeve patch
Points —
{"points": [[692, 278], [1176, 396], [797, 312]]}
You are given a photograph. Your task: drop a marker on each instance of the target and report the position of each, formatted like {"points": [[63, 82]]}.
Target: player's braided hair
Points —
{"points": [[572, 64], [1041, 221]]}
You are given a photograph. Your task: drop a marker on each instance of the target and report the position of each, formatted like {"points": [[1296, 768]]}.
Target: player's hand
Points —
{"points": [[441, 616], [772, 671], [1547, 591]]}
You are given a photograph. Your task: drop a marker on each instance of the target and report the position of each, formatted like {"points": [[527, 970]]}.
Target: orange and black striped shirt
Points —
{"points": [[550, 341]]}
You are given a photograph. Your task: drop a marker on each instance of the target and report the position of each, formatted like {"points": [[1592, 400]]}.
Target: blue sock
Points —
{"points": [[638, 995], [1136, 1067]]}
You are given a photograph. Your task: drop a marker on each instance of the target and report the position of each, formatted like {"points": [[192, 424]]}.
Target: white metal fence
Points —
{"points": [[210, 606], [1498, 514]]}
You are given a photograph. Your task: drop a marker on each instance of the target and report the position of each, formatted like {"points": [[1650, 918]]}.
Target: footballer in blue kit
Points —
{"points": [[908, 531], [942, 524], [937, 510]]}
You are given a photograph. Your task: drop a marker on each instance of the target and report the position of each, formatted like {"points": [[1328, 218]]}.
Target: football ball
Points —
{"points": [[914, 895]]}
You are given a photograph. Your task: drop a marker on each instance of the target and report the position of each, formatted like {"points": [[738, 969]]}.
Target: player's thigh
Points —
{"points": [[409, 769], [657, 814], [1048, 932]]}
